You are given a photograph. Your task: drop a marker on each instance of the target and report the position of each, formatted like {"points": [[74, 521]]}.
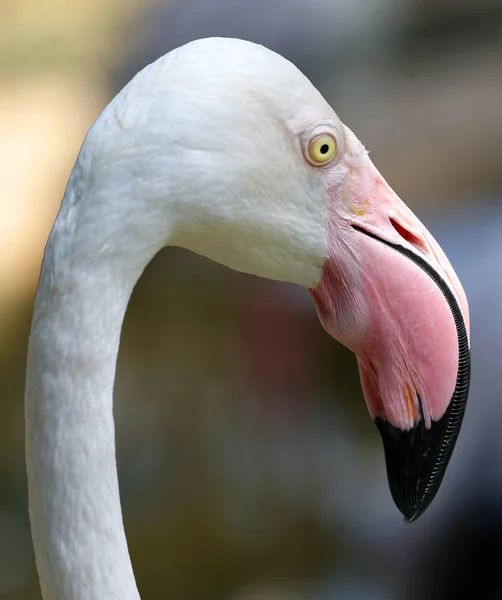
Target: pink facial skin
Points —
{"points": [[382, 305]]}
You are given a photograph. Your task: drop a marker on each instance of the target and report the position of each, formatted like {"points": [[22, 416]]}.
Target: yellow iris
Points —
{"points": [[322, 148]]}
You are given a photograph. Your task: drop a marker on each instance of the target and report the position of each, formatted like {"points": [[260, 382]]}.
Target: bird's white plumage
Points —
{"points": [[203, 149]]}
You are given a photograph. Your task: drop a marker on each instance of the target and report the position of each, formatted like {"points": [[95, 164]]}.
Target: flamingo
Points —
{"points": [[225, 148]]}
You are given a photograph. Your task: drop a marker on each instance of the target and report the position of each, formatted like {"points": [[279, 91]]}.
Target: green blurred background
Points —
{"points": [[249, 468]]}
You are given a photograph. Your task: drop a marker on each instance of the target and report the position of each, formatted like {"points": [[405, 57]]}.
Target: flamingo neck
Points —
{"points": [[76, 519]]}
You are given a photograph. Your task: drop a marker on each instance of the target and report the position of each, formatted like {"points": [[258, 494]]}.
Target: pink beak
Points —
{"points": [[389, 293]]}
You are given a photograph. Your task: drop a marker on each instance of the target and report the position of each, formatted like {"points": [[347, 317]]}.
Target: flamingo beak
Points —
{"points": [[390, 295]]}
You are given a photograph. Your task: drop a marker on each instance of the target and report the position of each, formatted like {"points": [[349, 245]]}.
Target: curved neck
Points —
{"points": [[78, 534]]}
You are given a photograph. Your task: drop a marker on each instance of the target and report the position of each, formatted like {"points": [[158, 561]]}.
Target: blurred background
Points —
{"points": [[249, 467]]}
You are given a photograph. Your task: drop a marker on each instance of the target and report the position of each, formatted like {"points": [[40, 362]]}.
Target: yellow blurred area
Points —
{"points": [[43, 120], [39, 34], [53, 60]]}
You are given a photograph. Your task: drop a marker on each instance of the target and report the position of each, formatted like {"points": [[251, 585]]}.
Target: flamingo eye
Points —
{"points": [[321, 149]]}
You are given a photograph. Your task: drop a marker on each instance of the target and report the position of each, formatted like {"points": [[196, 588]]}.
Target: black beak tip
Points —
{"points": [[406, 454], [416, 460]]}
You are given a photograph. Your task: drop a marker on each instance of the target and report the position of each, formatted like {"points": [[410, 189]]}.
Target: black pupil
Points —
{"points": [[324, 149]]}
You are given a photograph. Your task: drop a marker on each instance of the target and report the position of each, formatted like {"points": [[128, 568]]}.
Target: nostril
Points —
{"points": [[410, 237]]}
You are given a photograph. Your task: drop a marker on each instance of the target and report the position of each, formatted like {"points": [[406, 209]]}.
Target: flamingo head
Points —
{"points": [[236, 156]]}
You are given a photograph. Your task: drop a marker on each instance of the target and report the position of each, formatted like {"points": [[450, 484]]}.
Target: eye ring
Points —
{"points": [[321, 149]]}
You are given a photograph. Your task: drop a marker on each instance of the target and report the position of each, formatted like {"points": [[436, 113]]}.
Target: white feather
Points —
{"points": [[203, 149]]}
